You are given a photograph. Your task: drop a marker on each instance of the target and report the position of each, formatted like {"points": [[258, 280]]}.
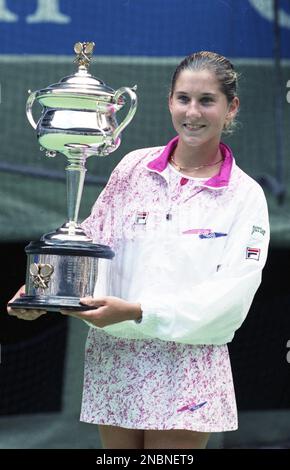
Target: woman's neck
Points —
{"points": [[202, 161], [188, 156]]}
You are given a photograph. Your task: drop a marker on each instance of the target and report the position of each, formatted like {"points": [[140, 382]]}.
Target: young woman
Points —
{"points": [[190, 232]]}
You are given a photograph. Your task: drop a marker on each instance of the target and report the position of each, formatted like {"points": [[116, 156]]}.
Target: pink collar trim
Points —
{"points": [[218, 181]]}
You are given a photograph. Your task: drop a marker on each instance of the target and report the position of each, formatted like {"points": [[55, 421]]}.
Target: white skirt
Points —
{"points": [[154, 384]]}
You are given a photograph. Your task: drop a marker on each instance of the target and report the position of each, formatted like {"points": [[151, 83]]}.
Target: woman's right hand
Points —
{"points": [[22, 313]]}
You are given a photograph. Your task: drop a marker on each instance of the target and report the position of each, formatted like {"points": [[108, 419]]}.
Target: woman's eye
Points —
{"points": [[182, 98], [206, 100]]}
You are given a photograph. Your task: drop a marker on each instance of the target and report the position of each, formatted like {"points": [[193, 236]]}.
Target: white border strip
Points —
{"points": [[126, 60]]}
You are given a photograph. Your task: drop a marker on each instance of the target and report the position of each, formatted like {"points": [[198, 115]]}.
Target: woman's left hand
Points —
{"points": [[108, 310]]}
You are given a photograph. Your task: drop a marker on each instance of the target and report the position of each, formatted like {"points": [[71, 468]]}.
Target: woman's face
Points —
{"points": [[199, 109]]}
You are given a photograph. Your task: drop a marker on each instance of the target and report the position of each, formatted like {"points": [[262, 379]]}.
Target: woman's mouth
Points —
{"points": [[193, 127]]}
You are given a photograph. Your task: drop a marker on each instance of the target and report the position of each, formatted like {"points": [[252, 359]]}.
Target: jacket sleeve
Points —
{"points": [[210, 312], [104, 223]]}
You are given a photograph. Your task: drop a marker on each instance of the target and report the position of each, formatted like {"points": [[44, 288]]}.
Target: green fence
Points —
{"points": [[32, 205]]}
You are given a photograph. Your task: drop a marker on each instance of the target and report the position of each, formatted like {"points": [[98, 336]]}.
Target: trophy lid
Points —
{"points": [[80, 90]]}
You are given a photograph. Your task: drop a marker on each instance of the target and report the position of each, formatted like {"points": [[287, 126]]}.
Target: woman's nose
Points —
{"points": [[193, 110]]}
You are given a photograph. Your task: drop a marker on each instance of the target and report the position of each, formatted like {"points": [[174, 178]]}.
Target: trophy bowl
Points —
{"points": [[78, 120]]}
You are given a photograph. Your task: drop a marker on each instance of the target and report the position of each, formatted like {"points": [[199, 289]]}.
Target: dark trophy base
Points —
{"points": [[49, 304], [59, 274]]}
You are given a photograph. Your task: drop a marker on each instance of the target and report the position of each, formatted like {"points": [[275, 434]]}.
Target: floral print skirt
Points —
{"points": [[154, 384]]}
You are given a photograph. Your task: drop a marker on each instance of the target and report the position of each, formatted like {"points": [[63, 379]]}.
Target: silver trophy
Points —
{"points": [[78, 120]]}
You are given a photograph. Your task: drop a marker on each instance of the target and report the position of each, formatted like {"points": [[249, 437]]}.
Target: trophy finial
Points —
{"points": [[84, 52]]}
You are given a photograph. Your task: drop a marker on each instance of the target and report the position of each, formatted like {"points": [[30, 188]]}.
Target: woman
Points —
{"points": [[190, 232]]}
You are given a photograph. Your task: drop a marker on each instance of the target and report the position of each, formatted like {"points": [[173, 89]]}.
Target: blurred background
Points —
{"points": [[138, 42]]}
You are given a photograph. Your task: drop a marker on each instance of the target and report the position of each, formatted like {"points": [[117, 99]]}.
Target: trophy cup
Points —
{"points": [[78, 120]]}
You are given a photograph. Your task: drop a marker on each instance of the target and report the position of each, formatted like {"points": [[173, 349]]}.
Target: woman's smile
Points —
{"points": [[193, 127]]}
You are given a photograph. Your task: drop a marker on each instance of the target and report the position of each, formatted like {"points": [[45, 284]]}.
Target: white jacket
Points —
{"points": [[190, 251]]}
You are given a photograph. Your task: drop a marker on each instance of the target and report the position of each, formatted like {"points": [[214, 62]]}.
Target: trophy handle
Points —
{"points": [[132, 110], [29, 105]]}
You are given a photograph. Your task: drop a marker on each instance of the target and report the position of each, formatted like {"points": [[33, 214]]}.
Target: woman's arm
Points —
{"points": [[211, 311]]}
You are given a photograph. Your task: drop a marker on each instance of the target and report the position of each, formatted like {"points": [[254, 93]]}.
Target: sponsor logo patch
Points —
{"points": [[141, 218], [198, 231], [204, 233], [253, 253], [212, 235], [192, 406], [256, 229]]}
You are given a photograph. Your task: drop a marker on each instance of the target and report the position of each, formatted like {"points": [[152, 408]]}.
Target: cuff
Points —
{"points": [[151, 321]]}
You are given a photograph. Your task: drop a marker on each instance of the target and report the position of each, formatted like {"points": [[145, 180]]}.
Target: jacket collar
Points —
{"points": [[221, 180]]}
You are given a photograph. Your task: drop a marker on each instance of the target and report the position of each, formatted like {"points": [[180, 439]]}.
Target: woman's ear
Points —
{"points": [[231, 114], [233, 109], [170, 103]]}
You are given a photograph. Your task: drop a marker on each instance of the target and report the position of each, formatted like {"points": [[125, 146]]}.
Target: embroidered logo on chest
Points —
{"points": [[204, 233], [213, 235], [141, 218]]}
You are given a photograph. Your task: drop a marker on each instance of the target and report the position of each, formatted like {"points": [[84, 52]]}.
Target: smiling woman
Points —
{"points": [[190, 232], [203, 103]]}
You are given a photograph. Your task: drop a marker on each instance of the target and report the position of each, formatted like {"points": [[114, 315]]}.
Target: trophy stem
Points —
{"points": [[75, 177], [76, 172]]}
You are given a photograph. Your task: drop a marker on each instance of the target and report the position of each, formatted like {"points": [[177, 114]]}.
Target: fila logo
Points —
{"points": [[253, 253], [141, 218], [288, 94]]}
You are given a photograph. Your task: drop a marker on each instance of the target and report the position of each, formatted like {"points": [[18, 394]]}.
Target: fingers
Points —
{"points": [[28, 311], [79, 314], [21, 291], [93, 302], [18, 294], [71, 313], [26, 314], [90, 302], [22, 313]]}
